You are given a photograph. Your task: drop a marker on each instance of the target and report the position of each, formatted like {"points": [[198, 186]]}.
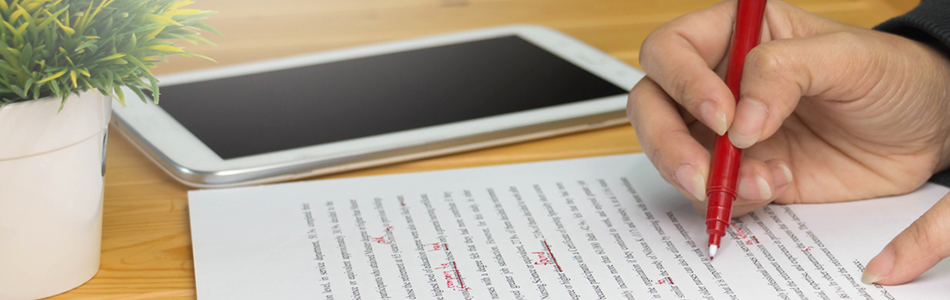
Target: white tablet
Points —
{"points": [[353, 108]]}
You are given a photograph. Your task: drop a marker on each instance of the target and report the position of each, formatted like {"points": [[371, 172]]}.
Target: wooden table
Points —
{"points": [[146, 242]]}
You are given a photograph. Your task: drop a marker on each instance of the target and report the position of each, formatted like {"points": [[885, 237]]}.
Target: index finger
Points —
{"points": [[915, 250], [680, 57]]}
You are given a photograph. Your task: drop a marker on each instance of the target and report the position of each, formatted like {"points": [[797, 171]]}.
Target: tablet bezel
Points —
{"points": [[190, 161]]}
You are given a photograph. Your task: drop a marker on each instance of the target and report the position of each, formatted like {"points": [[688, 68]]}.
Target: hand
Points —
{"points": [[827, 112]]}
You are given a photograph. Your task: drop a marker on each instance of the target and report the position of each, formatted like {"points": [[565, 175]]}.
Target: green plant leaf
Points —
{"points": [[199, 56], [26, 86], [163, 48], [118, 91], [19, 91], [52, 16], [207, 28], [68, 30], [110, 57], [140, 94], [4, 8], [199, 40], [36, 90], [26, 56], [51, 77], [163, 20], [6, 67], [87, 44], [62, 47]]}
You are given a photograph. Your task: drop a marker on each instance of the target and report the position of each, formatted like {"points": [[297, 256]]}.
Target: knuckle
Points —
{"points": [[633, 105], [796, 199], [846, 38], [919, 236], [646, 48], [680, 84], [766, 60], [659, 160], [631, 110], [652, 48], [856, 45]]}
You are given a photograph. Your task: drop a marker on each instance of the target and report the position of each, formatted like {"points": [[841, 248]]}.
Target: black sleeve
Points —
{"points": [[929, 23]]}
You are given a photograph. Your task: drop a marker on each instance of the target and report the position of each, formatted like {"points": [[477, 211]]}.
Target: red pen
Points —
{"points": [[724, 171]]}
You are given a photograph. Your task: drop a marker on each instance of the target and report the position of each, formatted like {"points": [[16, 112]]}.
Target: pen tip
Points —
{"points": [[712, 251]]}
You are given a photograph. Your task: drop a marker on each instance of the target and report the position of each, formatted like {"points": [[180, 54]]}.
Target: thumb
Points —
{"points": [[915, 250], [781, 72]]}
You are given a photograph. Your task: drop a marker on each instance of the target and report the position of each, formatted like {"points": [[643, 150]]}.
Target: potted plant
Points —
{"points": [[61, 64]]}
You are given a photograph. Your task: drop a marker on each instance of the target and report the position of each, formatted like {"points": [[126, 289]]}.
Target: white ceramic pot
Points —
{"points": [[51, 171]]}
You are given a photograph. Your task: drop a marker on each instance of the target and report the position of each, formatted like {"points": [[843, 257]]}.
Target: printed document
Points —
{"points": [[592, 228]]}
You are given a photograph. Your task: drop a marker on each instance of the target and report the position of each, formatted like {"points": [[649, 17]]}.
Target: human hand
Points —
{"points": [[827, 112]]}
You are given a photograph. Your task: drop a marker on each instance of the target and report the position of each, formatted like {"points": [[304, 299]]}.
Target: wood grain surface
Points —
{"points": [[146, 246]]}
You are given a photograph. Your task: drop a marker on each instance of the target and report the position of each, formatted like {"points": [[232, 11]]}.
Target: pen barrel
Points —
{"points": [[746, 35], [721, 191], [718, 214], [715, 238], [724, 171]]}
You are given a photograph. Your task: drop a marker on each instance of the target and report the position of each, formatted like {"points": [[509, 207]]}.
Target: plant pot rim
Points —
{"points": [[38, 126]]}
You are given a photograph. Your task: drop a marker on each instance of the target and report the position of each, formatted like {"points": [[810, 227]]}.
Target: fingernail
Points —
{"points": [[750, 119], [880, 266], [784, 177], [754, 189], [692, 181], [713, 116]]}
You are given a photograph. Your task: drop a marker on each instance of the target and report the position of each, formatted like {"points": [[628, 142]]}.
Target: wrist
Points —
{"points": [[928, 25], [924, 89], [942, 95]]}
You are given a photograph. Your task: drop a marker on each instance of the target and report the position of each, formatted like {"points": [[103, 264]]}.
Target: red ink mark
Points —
{"points": [[390, 228], [449, 283], [809, 248], [665, 280], [435, 247], [542, 258], [744, 237], [446, 246], [452, 276], [381, 240], [739, 231], [551, 254], [458, 275]]}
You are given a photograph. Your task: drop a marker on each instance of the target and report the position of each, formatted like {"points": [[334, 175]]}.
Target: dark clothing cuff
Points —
{"points": [[929, 23]]}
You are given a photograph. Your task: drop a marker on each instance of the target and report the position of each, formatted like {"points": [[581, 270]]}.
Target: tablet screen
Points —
{"points": [[279, 110]]}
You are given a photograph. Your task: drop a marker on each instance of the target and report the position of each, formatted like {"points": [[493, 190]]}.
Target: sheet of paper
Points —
{"points": [[593, 228]]}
